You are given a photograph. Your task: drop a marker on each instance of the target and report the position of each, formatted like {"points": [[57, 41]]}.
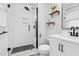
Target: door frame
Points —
{"points": [[37, 28]]}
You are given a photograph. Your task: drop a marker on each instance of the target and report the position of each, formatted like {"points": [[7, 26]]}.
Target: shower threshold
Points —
{"points": [[22, 48], [26, 53]]}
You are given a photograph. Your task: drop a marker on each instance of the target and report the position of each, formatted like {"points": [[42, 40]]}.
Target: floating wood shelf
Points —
{"points": [[50, 23], [54, 13]]}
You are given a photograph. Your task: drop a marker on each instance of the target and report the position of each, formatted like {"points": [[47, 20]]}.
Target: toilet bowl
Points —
{"points": [[44, 50]]}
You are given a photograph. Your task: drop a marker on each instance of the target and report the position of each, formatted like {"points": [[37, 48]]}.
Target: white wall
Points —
{"points": [[57, 19], [41, 22], [43, 17]]}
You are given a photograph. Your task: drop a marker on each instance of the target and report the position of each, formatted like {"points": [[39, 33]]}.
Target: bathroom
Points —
{"points": [[39, 29]]}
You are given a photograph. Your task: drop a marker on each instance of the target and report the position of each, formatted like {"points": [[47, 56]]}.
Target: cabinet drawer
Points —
{"points": [[54, 47]]}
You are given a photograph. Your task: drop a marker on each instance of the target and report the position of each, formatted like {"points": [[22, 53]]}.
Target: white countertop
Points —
{"points": [[65, 37]]}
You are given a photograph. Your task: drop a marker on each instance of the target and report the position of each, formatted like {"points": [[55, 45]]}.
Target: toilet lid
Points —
{"points": [[44, 47]]}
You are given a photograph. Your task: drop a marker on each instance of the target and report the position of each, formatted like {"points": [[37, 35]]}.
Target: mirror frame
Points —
{"points": [[62, 18]]}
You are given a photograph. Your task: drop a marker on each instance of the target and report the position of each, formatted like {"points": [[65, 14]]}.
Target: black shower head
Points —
{"points": [[26, 8]]}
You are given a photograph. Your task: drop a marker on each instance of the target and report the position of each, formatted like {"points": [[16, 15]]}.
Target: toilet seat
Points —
{"points": [[43, 49]]}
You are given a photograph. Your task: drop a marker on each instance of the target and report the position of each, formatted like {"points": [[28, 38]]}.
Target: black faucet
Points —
{"points": [[73, 31], [77, 32]]}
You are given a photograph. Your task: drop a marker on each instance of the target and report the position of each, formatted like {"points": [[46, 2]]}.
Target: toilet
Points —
{"points": [[44, 50]]}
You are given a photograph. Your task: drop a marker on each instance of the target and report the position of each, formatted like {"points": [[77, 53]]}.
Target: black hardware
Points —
{"points": [[8, 5], [36, 28], [26, 8], [62, 48], [77, 34], [3, 32], [70, 33], [59, 45], [22, 48], [73, 33], [9, 49], [28, 27], [77, 27]]}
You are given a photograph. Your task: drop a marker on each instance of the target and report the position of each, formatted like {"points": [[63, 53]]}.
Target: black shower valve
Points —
{"points": [[8, 5], [9, 49]]}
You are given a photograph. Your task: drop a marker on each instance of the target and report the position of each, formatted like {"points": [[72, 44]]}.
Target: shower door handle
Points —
{"points": [[28, 27], [62, 46]]}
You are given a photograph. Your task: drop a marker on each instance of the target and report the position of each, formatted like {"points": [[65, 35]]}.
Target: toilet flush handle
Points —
{"points": [[9, 49]]}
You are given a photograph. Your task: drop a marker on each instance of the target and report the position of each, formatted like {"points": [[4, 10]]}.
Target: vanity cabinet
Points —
{"points": [[70, 49], [55, 47], [59, 47]]}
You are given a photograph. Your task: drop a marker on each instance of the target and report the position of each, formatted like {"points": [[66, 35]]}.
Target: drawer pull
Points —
{"points": [[62, 48], [59, 45]]}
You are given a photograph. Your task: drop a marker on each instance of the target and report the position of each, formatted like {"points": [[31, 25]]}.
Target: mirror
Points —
{"points": [[70, 15]]}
